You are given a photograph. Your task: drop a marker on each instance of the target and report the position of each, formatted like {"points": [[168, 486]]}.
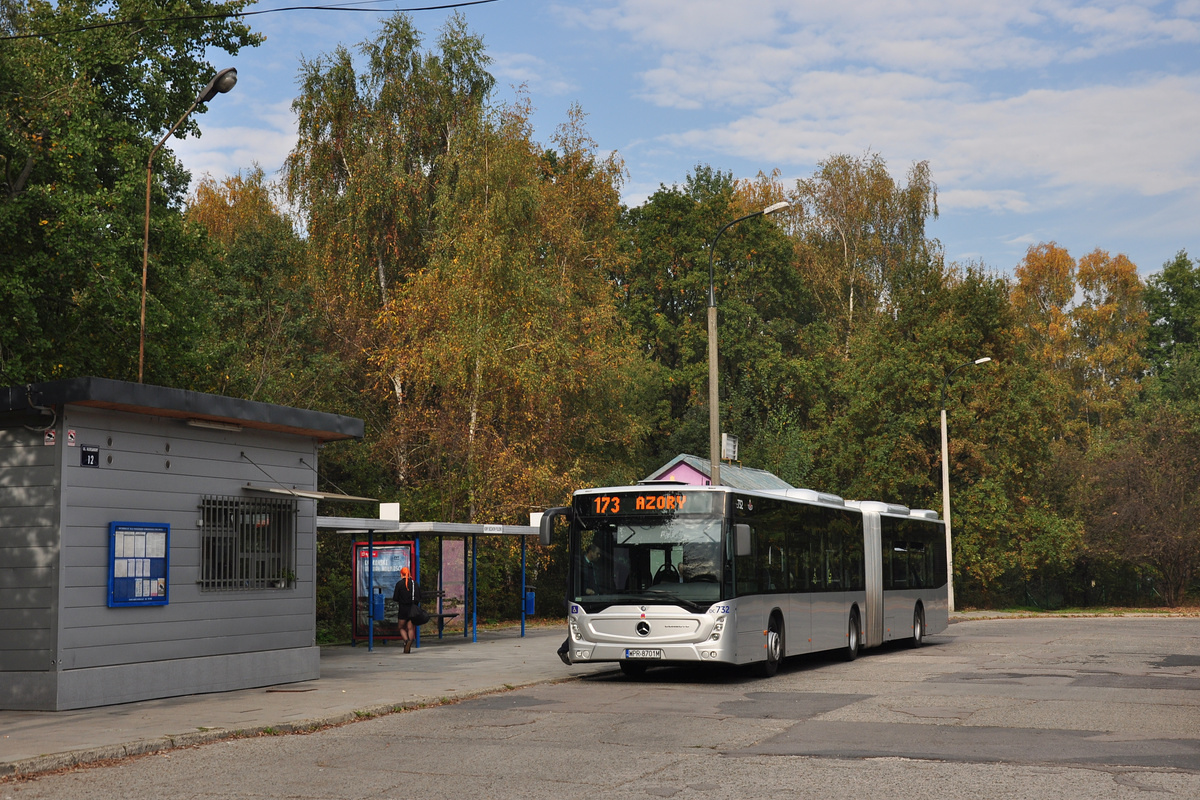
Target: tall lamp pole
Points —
{"points": [[946, 479], [222, 82], [714, 417]]}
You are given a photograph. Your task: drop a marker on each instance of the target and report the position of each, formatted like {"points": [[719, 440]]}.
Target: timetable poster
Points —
{"points": [[138, 563]]}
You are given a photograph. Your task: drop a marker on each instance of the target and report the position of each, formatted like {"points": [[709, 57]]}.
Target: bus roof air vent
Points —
{"points": [[813, 496], [879, 508]]}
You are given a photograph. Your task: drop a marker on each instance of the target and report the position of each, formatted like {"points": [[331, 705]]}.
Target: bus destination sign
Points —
{"points": [[651, 502]]}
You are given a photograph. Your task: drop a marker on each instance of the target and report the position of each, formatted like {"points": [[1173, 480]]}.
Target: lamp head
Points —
{"points": [[221, 83], [780, 206], [983, 360]]}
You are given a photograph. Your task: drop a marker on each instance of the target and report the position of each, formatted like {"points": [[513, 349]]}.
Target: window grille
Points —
{"points": [[247, 543]]}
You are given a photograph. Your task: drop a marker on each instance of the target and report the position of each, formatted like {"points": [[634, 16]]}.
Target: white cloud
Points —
{"points": [[959, 200], [264, 136], [716, 52], [524, 69]]}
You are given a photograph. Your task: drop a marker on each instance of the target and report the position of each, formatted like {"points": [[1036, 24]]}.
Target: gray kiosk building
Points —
{"points": [[154, 542]]}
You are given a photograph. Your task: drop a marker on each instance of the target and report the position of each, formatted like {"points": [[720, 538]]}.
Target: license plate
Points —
{"points": [[643, 654]]}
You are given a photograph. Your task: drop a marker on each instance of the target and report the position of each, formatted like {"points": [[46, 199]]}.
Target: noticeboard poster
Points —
{"points": [[377, 570], [138, 564]]}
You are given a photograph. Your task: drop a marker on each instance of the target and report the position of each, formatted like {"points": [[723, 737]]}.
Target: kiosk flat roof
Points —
{"points": [[196, 408]]}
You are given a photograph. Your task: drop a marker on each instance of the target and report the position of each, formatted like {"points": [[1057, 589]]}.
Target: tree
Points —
{"points": [[372, 154], [516, 373], [1041, 297], [862, 227], [265, 340], [1109, 326], [80, 115], [763, 307], [1146, 498], [1172, 300]]}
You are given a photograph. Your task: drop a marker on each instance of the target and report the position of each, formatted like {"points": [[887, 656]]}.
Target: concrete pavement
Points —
{"points": [[355, 683]]}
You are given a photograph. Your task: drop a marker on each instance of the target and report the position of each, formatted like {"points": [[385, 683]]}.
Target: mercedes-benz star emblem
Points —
{"points": [[643, 628]]}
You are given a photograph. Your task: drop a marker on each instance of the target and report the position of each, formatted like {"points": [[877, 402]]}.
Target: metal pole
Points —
{"points": [[441, 585], [146, 246], [222, 82], [714, 408], [946, 482], [417, 577], [714, 415], [523, 588], [370, 590], [466, 572], [474, 589], [946, 511]]}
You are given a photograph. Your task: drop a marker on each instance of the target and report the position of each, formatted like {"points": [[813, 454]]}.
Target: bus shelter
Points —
{"points": [[393, 531]]}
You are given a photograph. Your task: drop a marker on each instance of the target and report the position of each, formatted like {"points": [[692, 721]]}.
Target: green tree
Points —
{"points": [[80, 114], [372, 154], [862, 227], [763, 307], [1172, 300], [265, 340]]}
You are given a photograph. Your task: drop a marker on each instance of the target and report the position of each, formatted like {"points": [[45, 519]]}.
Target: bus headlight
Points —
{"points": [[575, 630], [718, 627]]}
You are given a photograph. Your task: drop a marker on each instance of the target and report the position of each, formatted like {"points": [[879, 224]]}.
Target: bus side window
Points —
{"points": [[917, 558], [900, 565], [816, 562], [746, 566]]}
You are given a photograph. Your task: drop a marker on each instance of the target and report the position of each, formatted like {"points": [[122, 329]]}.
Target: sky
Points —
{"points": [[1041, 120]]}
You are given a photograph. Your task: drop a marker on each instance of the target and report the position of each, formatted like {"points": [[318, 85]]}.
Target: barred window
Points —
{"points": [[247, 543]]}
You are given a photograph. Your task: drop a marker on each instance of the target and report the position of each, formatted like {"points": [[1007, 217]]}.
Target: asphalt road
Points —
{"points": [[1037, 708]]}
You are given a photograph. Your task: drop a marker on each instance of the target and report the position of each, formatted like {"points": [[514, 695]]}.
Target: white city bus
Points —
{"points": [[669, 573]]}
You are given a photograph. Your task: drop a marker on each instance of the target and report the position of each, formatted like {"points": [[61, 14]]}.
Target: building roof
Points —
{"points": [[733, 475], [196, 408]]}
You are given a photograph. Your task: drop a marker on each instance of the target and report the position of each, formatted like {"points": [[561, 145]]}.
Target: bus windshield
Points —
{"points": [[648, 560]]}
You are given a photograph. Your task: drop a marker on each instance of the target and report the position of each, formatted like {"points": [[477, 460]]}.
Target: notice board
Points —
{"points": [[138, 563]]}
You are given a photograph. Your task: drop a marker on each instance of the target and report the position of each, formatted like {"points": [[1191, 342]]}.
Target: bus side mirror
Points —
{"points": [[741, 540], [546, 526]]}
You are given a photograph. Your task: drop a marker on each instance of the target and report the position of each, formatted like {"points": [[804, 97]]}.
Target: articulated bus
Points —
{"points": [[663, 574]]}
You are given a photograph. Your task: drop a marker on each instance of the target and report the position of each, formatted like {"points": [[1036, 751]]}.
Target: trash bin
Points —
{"points": [[529, 604], [377, 605]]}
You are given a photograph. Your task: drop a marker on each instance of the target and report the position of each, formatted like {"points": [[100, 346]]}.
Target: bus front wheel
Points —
{"points": [[853, 637], [774, 647]]}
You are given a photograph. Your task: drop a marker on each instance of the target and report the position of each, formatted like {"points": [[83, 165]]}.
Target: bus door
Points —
{"points": [[828, 591]]}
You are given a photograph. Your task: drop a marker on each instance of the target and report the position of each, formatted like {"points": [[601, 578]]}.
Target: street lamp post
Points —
{"points": [[222, 82], [714, 417], [946, 479]]}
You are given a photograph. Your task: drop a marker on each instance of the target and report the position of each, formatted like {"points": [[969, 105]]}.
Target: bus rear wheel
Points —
{"points": [[853, 637], [774, 647], [918, 633]]}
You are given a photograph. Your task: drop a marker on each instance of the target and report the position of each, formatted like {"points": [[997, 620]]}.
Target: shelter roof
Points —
{"points": [[363, 525]]}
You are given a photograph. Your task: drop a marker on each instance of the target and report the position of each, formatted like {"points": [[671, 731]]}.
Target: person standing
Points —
{"points": [[408, 600]]}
